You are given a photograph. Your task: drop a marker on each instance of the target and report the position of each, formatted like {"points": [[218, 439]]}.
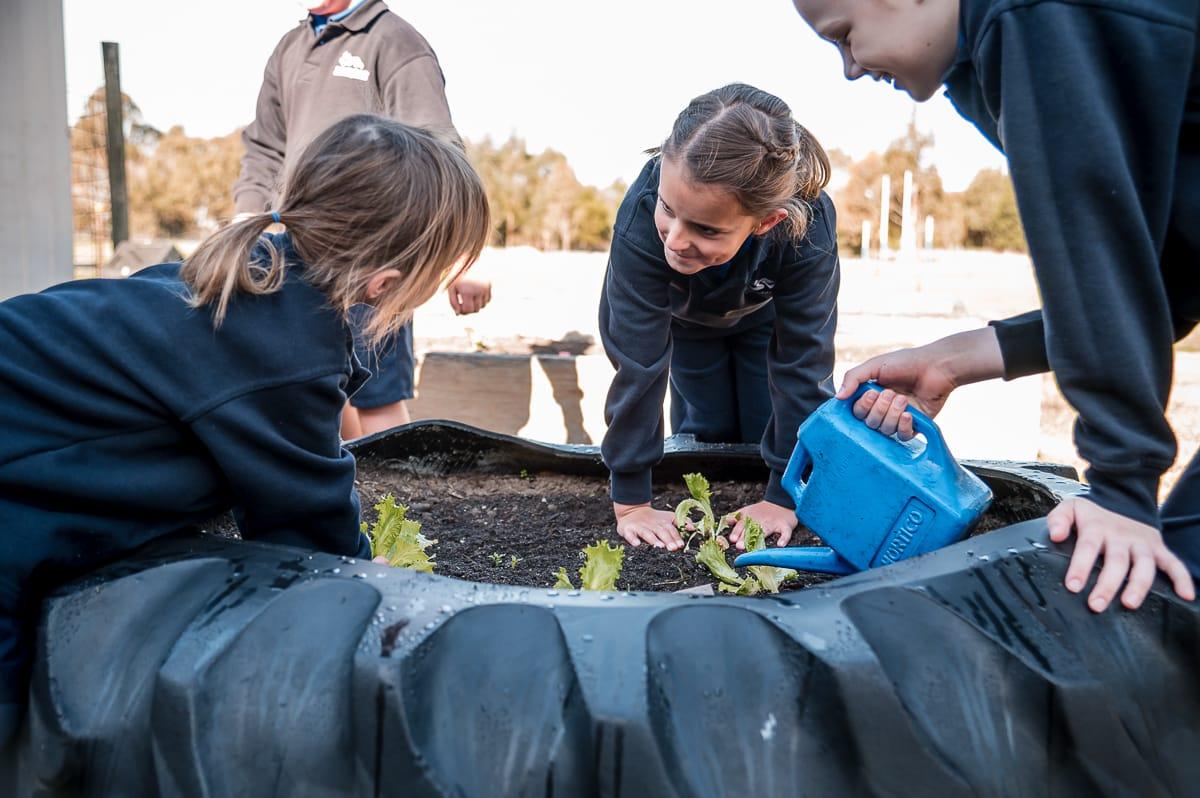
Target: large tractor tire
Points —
{"points": [[212, 667]]}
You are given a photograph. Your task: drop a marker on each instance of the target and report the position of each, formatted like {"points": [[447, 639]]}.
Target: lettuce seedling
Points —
{"points": [[712, 557], [562, 581], [600, 571], [707, 525], [712, 550], [397, 538], [768, 576]]}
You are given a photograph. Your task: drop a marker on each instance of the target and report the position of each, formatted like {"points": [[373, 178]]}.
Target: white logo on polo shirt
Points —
{"points": [[351, 66], [762, 284]]}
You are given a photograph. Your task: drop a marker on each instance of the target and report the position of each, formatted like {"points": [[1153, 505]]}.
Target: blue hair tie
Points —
{"points": [[275, 217]]}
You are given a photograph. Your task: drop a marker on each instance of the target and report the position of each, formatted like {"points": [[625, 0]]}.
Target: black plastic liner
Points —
{"points": [[203, 666]]}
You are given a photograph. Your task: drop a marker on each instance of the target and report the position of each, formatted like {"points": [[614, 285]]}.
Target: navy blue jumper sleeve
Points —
{"points": [[1087, 102], [635, 328], [278, 447], [801, 356]]}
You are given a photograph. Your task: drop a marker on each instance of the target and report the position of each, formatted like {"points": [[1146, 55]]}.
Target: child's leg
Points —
{"points": [[749, 350], [351, 426], [381, 401], [703, 401], [1181, 517]]}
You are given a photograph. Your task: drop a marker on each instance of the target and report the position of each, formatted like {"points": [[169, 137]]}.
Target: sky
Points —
{"points": [[599, 82]]}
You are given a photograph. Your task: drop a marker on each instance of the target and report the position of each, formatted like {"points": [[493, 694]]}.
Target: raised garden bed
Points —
{"points": [[510, 515], [206, 666]]}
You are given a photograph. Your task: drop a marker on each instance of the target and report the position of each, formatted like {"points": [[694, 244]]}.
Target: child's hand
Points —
{"points": [[468, 295], [773, 518], [639, 523], [1131, 549], [885, 411], [923, 375]]}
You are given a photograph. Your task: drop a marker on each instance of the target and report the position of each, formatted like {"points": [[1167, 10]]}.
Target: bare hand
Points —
{"points": [[1130, 548], [773, 518], [639, 523], [885, 411], [922, 376], [468, 295]]}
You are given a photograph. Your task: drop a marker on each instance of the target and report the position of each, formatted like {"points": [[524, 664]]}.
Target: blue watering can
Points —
{"points": [[873, 498]]}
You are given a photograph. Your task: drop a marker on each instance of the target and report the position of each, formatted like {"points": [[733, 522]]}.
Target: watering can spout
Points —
{"points": [[817, 559]]}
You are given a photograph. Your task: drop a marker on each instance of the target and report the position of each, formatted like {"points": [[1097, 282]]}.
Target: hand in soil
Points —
{"points": [[773, 518], [1131, 549], [641, 523]]}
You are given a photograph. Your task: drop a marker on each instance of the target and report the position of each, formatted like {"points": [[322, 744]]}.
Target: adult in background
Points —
{"points": [[347, 58]]}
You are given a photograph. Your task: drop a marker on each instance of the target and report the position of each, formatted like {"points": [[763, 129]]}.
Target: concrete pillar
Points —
{"points": [[866, 239], [885, 207], [35, 151], [929, 231]]}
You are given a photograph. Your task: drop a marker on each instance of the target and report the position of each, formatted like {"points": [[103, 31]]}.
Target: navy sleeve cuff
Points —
{"points": [[632, 487], [1022, 344], [364, 547], [1133, 495], [775, 493]]}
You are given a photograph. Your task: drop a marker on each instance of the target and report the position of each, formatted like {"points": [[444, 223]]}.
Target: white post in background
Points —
{"points": [[885, 207], [35, 149], [866, 239], [908, 228], [929, 231]]}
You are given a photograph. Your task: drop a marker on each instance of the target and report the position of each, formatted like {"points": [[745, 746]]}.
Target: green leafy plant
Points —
{"points": [[397, 538], [712, 549], [600, 571], [707, 525], [497, 558], [513, 561], [768, 576], [524, 474], [562, 581]]}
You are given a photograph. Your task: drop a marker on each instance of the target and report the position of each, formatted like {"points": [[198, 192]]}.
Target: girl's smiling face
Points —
{"points": [[908, 43], [701, 225]]}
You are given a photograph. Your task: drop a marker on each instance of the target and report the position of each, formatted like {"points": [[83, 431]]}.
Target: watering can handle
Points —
{"points": [[921, 423], [793, 475]]}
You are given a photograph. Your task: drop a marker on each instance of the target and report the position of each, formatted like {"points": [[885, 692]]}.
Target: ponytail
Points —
{"points": [[218, 270]]}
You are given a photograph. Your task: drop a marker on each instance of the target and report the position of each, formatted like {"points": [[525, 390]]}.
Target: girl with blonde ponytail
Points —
{"points": [[722, 282], [133, 408]]}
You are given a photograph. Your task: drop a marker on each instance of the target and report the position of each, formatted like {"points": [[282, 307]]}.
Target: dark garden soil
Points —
{"points": [[481, 522], [544, 520]]}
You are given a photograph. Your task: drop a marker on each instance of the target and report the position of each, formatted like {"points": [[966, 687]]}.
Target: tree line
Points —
{"points": [[180, 186]]}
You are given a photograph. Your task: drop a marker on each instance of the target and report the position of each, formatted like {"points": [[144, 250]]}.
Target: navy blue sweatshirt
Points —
{"points": [[125, 416], [1097, 106], [645, 303]]}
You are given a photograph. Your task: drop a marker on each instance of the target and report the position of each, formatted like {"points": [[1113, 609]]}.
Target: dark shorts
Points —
{"points": [[391, 365], [719, 390]]}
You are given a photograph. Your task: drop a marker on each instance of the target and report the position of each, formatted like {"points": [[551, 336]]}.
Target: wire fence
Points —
{"points": [[90, 200]]}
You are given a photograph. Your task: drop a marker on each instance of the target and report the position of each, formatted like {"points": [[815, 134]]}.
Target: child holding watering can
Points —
{"points": [[1097, 106], [134, 408], [722, 282]]}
